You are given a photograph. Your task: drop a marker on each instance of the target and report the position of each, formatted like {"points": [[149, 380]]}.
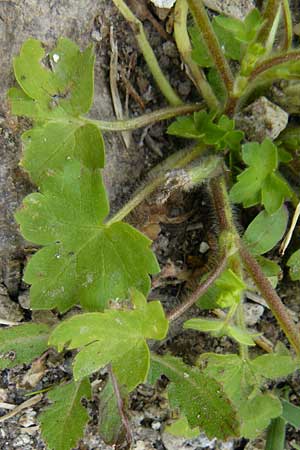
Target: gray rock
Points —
{"points": [[234, 8], [9, 310], [262, 119], [253, 313]]}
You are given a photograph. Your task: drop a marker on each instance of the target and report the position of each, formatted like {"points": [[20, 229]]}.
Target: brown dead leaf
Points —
{"points": [[34, 374], [171, 274]]}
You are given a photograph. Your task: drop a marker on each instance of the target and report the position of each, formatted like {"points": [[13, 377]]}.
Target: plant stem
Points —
{"points": [[145, 119], [225, 219], [185, 49], [148, 53], [201, 289], [222, 204], [270, 63], [157, 178], [288, 24], [270, 13], [120, 404], [261, 70], [276, 434], [202, 21], [273, 300]]}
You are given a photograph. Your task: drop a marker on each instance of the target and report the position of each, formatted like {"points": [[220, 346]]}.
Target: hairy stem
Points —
{"points": [[270, 63], [270, 14], [201, 289], [273, 300], [145, 119], [260, 74], [225, 218], [222, 204], [288, 25], [157, 178], [185, 49], [148, 53], [203, 23]]}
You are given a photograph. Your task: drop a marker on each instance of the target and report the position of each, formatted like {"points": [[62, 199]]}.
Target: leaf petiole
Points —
{"points": [[145, 119]]}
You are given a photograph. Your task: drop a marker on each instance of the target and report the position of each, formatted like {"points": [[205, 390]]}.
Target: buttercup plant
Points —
{"points": [[97, 261]]}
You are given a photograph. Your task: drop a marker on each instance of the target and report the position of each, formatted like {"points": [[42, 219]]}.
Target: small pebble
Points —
{"points": [[204, 247], [156, 426], [253, 313], [262, 119], [184, 88], [96, 36], [170, 49], [163, 3], [139, 445], [24, 300], [28, 418], [3, 395], [20, 441]]}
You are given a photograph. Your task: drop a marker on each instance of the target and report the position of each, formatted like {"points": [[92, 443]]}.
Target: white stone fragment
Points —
{"points": [[204, 247], [55, 57], [163, 3], [253, 313], [262, 119], [156, 426]]}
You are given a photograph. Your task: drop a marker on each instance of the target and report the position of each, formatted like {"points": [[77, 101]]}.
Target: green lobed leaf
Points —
{"points": [[273, 365], [294, 264], [270, 268], [83, 260], [116, 337], [51, 146], [235, 375], [56, 87], [224, 292], [241, 380], [243, 31], [22, 343], [290, 137], [64, 421], [291, 413], [232, 48], [266, 230], [257, 414], [110, 426], [260, 183], [274, 191], [201, 126], [233, 36], [181, 428], [200, 398], [54, 90], [200, 53], [220, 328], [241, 336], [205, 325]]}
